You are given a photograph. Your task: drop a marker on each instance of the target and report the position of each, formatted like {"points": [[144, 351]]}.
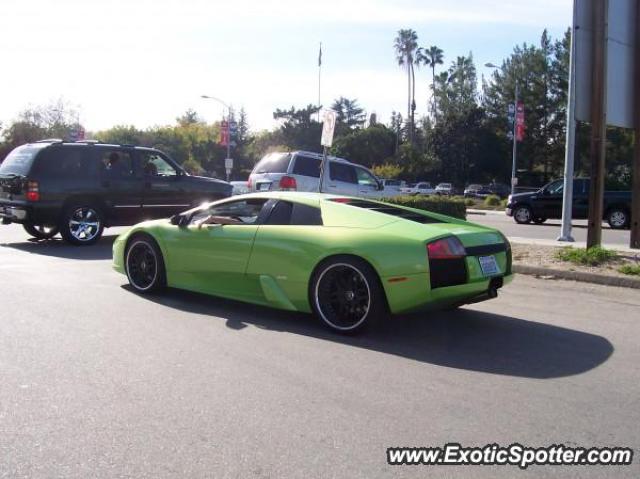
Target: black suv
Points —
{"points": [[80, 188]]}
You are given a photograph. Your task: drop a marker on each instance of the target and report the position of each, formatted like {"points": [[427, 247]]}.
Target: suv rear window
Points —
{"points": [[62, 162], [273, 163], [19, 161], [306, 166]]}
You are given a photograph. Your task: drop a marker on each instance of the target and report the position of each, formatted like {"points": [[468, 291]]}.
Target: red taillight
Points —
{"points": [[288, 183], [33, 194], [341, 200], [446, 248]]}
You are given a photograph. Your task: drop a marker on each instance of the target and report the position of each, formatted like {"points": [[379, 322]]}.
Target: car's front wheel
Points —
{"points": [[346, 295], [144, 264], [617, 218], [82, 225], [40, 231], [522, 214]]}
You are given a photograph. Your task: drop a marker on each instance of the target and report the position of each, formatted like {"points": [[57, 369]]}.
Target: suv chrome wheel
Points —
{"points": [[522, 214], [84, 224]]}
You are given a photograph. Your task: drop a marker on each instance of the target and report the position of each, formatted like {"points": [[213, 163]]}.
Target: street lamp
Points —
{"points": [[515, 141], [209, 97]]}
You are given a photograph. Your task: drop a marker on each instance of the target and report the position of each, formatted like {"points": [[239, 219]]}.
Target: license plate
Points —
{"points": [[488, 265], [264, 186]]}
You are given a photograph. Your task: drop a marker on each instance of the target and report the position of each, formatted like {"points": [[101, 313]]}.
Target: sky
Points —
{"points": [[144, 63]]}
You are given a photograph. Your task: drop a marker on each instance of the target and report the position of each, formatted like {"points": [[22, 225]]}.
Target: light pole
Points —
{"points": [[515, 140], [209, 97]]}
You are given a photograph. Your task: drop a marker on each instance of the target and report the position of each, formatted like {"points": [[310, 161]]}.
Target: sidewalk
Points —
{"points": [[622, 248], [474, 211]]}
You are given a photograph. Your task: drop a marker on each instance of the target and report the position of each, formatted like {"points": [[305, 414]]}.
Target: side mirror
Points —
{"points": [[380, 186]]}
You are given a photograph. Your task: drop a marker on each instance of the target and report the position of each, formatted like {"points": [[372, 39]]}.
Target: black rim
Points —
{"points": [[342, 296], [142, 267]]}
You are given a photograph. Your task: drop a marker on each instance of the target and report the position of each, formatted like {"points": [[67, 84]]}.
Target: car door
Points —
{"points": [[210, 253], [163, 194], [343, 179], [120, 185], [580, 207], [368, 186], [548, 203]]}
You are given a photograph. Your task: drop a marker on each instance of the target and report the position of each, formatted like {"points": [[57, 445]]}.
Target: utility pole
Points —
{"points": [[598, 122], [635, 193], [515, 143], [570, 146]]}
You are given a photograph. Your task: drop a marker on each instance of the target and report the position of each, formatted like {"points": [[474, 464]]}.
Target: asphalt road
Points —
{"points": [[549, 230], [96, 381]]}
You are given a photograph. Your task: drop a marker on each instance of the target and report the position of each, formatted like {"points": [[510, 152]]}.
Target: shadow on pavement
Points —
{"points": [[463, 339], [61, 249]]}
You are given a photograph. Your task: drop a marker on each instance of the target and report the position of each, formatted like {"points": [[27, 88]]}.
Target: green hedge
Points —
{"points": [[437, 204]]}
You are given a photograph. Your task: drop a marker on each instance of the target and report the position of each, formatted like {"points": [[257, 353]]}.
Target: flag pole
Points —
{"points": [[319, 72]]}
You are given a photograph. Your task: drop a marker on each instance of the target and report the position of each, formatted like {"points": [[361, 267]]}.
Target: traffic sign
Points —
{"points": [[228, 163], [328, 126]]}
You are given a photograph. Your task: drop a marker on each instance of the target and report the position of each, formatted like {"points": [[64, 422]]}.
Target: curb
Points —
{"points": [[474, 211], [578, 276]]}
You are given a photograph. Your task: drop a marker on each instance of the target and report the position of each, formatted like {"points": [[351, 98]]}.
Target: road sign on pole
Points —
{"points": [[328, 127]]}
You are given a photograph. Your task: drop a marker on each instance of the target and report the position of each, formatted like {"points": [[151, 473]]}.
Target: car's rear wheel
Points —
{"points": [[144, 264], [40, 231], [346, 295], [522, 214], [82, 224], [617, 218]]}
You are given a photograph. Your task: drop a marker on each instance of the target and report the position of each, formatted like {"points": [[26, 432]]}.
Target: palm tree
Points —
{"points": [[431, 56], [405, 45]]}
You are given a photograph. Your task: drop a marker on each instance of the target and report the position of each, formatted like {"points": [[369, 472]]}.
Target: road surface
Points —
{"points": [[98, 381]]}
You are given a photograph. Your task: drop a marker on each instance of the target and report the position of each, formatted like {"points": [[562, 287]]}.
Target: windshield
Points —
{"points": [[19, 161], [273, 163]]}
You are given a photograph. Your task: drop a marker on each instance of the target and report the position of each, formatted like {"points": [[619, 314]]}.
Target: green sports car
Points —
{"points": [[350, 261]]}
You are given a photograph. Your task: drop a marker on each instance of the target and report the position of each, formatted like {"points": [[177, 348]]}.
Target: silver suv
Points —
{"points": [[300, 171]]}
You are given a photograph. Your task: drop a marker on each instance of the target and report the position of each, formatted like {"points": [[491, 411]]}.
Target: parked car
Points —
{"points": [[392, 187], [80, 188], [444, 189], [498, 189], [239, 187], [351, 261], [546, 203], [420, 188], [475, 191], [300, 171]]}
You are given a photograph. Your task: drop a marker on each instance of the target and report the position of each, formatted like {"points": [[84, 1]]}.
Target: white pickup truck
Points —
{"points": [[421, 188]]}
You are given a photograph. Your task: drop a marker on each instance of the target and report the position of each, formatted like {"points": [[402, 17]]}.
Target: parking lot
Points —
{"points": [[100, 382]]}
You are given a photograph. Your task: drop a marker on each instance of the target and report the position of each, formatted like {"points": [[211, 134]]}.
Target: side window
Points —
{"points": [[62, 163], [556, 187], [306, 166], [286, 213], [117, 163], [342, 172], [153, 164], [240, 212], [365, 178], [280, 214]]}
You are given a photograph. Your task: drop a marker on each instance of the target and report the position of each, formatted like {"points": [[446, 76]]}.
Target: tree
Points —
{"points": [[189, 117], [299, 130], [366, 146], [348, 112], [432, 57], [405, 45]]}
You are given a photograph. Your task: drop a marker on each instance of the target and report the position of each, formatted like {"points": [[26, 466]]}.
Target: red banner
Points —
{"points": [[224, 133], [520, 121]]}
